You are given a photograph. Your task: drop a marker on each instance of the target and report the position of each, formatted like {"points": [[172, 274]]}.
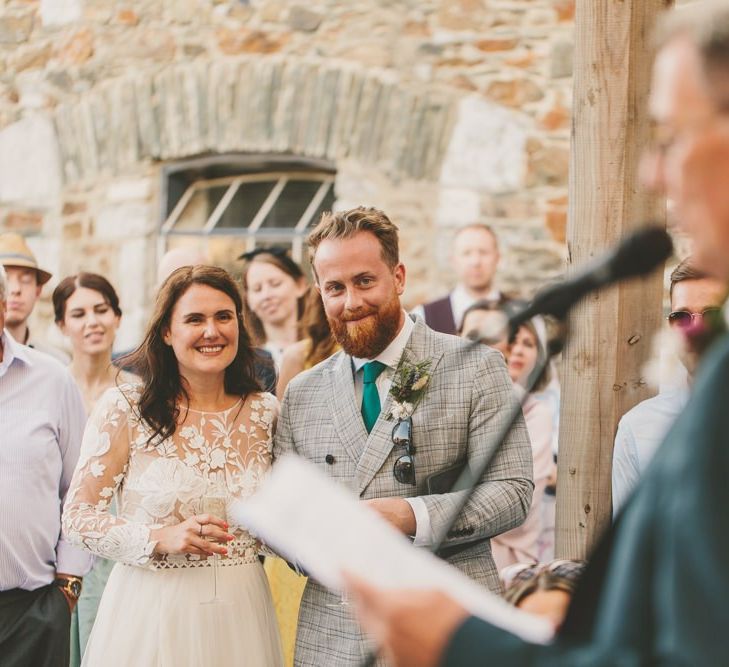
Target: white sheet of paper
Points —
{"points": [[308, 518]]}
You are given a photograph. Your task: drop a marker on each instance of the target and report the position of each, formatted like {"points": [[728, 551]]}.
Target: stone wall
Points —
{"points": [[441, 112]]}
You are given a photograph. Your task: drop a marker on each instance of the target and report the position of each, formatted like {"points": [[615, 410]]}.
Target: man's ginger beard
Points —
{"points": [[367, 339]]}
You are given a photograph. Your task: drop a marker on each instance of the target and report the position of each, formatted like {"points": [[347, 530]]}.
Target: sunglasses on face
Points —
{"points": [[685, 318], [404, 468]]}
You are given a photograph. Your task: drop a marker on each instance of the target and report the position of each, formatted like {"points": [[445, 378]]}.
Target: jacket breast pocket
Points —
{"points": [[440, 443]]}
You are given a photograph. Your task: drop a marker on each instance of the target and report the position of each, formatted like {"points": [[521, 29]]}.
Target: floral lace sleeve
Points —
{"points": [[102, 467], [258, 455]]}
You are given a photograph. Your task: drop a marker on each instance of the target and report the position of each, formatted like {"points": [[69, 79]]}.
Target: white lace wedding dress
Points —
{"points": [[151, 612]]}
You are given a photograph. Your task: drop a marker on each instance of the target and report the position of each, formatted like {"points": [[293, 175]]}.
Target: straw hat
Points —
{"points": [[14, 251]]}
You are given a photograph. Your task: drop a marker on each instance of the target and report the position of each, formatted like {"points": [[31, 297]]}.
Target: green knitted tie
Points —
{"points": [[370, 397]]}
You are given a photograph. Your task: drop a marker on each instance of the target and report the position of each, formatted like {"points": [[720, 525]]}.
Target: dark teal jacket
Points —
{"points": [[656, 591]]}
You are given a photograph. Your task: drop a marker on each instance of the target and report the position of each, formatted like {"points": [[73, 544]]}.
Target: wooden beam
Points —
{"points": [[611, 331]]}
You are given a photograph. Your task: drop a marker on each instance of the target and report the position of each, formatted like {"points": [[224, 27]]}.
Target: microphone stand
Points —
{"points": [[469, 478]]}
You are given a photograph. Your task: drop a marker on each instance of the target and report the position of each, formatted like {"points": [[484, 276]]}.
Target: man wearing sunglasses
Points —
{"points": [[696, 300], [397, 456]]}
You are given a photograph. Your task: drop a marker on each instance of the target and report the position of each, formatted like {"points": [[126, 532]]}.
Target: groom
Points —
{"points": [[342, 416]]}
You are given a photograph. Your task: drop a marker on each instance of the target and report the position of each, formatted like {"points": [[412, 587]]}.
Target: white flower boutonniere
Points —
{"points": [[408, 387]]}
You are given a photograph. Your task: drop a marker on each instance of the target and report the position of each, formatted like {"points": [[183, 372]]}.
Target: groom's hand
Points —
{"points": [[397, 511]]}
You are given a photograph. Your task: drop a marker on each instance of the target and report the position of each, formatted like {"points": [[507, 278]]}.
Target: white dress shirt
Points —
{"points": [[42, 420], [640, 431], [390, 356]]}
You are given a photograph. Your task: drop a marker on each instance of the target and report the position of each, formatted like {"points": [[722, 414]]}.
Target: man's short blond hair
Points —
{"points": [[345, 224], [3, 284]]}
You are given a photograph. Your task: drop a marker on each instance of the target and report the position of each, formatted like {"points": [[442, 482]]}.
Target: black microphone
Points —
{"points": [[636, 255]]}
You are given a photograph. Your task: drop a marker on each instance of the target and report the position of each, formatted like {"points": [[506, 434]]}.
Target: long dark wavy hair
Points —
{"points": [[155, 362]]}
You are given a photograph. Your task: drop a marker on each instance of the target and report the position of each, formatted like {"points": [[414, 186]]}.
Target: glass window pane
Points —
{"points": [[291, 204], [246, 202], [327, 204], [198, 209]]}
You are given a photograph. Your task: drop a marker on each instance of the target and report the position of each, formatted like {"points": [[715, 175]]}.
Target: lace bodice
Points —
{"points": [[164, 484]]}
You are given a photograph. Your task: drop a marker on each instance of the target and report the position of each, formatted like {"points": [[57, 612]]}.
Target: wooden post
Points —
{"points": [[610, 331]]}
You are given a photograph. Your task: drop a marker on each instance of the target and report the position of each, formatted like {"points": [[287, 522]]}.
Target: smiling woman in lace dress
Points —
{"points": [[197, 425]]}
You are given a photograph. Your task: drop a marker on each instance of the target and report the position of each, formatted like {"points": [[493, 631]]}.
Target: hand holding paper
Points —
{"points": [[308, 518]]}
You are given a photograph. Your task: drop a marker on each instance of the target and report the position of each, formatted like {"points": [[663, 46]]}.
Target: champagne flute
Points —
{"points": [[214, 502], [351, 486]]}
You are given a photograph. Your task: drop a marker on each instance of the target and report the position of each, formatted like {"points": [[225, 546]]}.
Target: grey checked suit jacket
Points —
{"points": [[456, 420]]}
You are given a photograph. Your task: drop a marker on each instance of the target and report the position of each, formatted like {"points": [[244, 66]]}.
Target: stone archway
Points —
{"points": [[307, 107]]}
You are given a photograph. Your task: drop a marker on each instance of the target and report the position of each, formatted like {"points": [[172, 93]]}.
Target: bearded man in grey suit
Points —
{"points": [[342, 416]]}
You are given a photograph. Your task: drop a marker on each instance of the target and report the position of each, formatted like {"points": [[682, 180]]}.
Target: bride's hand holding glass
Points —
{"points": [[202, 534]]}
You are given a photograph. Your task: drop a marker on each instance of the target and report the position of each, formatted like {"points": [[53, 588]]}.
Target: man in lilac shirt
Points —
{"points": [[41, 424]]}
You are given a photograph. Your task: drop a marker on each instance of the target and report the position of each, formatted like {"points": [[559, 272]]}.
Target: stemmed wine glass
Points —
{"points": [[351, 486], [214, 502]]}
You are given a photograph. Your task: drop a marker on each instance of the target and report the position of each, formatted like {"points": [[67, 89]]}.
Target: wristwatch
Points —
{"points": [[71, 586]]}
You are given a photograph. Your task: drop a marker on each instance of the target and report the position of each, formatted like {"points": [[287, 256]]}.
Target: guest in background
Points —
{"points": [[87, 312], [25, 280], [475, 258], [176, 258], [485, 322], [696, 300], [526, 354], [41, 421], [274, 287]]}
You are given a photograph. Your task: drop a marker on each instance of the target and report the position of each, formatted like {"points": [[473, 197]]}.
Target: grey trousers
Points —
{"points": [[34, 628]]}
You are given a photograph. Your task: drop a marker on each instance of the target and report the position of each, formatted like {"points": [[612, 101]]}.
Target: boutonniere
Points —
{"points": [[408, 387]]}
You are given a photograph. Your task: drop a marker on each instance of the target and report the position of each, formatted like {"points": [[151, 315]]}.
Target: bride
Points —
{"points": [[195, 428]]}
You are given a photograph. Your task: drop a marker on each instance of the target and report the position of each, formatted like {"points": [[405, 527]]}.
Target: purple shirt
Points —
{"points": [[42, 419]]}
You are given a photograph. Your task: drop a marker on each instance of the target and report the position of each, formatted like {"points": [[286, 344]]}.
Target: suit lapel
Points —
{"points": [[379, 443], [345, 412]]}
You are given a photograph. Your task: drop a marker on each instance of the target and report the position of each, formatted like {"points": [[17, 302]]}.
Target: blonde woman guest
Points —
{"points": [[275, 288], [195, 427], [86, 308]]}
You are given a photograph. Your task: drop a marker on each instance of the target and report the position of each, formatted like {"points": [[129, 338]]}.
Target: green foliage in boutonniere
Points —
{"points": [[408, 386]]}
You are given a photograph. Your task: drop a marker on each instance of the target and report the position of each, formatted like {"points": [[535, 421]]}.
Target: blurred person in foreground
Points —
{"points": [[87, 311], [656, 588], [41, 422], [194, 433], [474, 258], [25, 284], [391, 414], [696, 300]]}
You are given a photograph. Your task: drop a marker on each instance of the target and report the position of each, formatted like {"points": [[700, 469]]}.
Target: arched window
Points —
{"points": [[230, 204]]}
